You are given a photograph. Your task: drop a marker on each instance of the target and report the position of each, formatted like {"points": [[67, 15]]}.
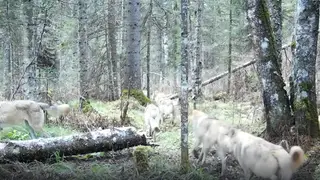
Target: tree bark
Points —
{"points": [[175, 39], [184, 86], [275, 98], [275, 9], [230, 48], [113, 47], [197, 75], [83, 47], [95, 141], [133, 76], [304, 68], [31, 91]]}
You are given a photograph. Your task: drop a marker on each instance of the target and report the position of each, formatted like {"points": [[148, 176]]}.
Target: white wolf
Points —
{"points": [[214, 134], [166, 106], [152, 120], [264, 159], [58, 110], [23, 111]]}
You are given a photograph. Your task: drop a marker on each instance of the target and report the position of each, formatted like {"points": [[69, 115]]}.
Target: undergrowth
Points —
{"points": [[163, 161]]}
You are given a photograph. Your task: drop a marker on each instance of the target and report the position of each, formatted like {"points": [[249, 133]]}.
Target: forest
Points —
{"points": [[159, 89]]}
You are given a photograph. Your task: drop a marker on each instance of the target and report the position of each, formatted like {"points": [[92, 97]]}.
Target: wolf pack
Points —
{"points": [[31, 113], [255, 155]]}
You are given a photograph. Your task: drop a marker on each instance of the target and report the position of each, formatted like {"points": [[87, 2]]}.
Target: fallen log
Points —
{"points": [[215, 78], [84, 143]]}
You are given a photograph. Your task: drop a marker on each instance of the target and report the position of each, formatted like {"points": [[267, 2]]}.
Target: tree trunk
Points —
{"points": [[160, 55], [133, 73], [124, 36], [175, 39], [275, 9], [304, 71], [197, 93], [83, 48], [31, 91], [148, 59], [275, 98], [184, 86], [230, 48], [113, 47], [7, 54], [95, 141]]}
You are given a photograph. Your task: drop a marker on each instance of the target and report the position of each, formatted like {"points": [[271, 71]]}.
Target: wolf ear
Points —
{"points": [[285, 145]]}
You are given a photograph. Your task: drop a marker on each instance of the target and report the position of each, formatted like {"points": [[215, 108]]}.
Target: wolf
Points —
{"points": [[265, 159], [24, 111], [152, 120], [58, 110], [214, 134]]}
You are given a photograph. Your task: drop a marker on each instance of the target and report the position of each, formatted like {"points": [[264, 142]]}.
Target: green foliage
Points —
{"points": [[58, 157], [138, 95], [14, 134]]}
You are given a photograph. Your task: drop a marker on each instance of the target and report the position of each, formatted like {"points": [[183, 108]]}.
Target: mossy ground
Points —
{"points": [[163, 160]]}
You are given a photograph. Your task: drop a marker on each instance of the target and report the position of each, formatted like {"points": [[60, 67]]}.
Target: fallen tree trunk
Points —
{"points": [[211, 80], [84, 143]]}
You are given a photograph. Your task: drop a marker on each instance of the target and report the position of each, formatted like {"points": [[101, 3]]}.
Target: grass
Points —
{"points": [[163, 162]]}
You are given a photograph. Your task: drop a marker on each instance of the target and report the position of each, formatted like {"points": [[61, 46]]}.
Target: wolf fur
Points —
{"points": [[152, 120], [58, 110], [23, 111], [215, 134], [198, 132], [264, 159]]}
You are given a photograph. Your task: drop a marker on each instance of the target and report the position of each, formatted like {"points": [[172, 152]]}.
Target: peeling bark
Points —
{"points": [[304, 71], [275, 98], [95, 141]]}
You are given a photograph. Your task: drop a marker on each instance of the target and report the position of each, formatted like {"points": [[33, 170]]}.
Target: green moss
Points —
{"points": [[305, 86], [138, 95], [305, 106], [140, 155], [264, 16], [293, 44], [86, 106]]}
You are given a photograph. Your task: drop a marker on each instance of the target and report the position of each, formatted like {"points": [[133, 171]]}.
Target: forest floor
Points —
{"points": [[164, 160]]}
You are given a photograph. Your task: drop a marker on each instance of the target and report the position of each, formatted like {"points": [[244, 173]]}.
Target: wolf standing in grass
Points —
{"points": [[23, 111], [152, 120]]}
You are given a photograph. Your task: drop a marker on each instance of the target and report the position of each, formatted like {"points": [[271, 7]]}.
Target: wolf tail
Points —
{"points": [[297, 157]]}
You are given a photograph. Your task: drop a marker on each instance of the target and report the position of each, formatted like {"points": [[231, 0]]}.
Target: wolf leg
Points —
{"points": [[195, 147], [204, 152], [223, 157]]}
